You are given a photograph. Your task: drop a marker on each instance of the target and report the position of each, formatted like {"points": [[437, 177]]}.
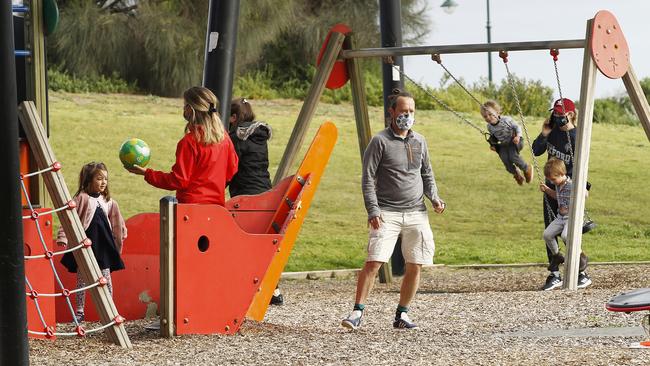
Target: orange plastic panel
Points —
{"points": [[291, 217], [339, 75], [136, 289], [219, 268], [608, 45], [39, 273], [254, 213]]}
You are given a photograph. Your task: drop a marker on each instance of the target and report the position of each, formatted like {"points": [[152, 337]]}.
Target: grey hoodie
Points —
{"points": [[397, 174]]}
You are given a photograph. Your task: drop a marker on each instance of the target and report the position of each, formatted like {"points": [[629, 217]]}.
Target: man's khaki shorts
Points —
{"points": [[417, 239]]}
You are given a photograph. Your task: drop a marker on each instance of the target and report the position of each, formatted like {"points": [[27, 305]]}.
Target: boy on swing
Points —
{"points": [[505, 140]]}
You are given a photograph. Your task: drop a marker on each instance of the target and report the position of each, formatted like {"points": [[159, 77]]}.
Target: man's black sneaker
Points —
{"points": [[552, 281], [404, 322], [277, 300], [353, 321], [583, 280]]}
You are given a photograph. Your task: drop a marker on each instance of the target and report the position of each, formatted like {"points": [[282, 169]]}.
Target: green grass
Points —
{"points": [[489, 219]]}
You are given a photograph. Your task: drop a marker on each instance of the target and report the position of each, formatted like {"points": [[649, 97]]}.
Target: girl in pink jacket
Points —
{"points": [[101, 218]]}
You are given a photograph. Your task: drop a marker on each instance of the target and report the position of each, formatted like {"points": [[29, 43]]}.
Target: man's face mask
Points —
{"points": [[405, 121], [560, 121]]}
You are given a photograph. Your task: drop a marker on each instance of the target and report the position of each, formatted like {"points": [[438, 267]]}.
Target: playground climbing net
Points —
{"points": [[49, 330]]}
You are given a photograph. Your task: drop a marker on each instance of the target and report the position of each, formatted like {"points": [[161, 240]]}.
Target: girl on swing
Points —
{"points": [[505, 140]]}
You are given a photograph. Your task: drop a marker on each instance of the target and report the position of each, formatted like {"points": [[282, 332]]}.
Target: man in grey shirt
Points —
{"points": [[397, 175]]}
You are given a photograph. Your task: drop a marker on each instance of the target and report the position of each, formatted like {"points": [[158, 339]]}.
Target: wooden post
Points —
{"points": [[36, 86], [74, 230], [309, 106], [358, 99], [363, 124], [580, 165], [167, 240], [638, 99]]}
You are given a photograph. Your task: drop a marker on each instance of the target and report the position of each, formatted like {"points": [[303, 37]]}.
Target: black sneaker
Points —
{"points": [[583, 280], [404, 322], [552, 281], [353, 321], [277, 300]]}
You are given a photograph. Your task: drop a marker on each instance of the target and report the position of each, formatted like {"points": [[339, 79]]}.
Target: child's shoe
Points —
{"points": [[518, 178], [583, 280], [529, 173], [552, 281]]}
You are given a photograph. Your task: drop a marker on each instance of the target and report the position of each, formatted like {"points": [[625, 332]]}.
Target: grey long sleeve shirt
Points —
{"points": [[397, 174], [504, 130]]}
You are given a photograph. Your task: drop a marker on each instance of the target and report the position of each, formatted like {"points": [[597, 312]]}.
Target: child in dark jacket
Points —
{"points": [[250, 140]]}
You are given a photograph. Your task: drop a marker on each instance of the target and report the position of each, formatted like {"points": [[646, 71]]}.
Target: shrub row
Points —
{"points": [[534, 98]]}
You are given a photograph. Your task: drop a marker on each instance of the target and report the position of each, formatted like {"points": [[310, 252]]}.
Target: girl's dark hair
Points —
{"points": [[397, 93], [86, 176], [242, 110]]}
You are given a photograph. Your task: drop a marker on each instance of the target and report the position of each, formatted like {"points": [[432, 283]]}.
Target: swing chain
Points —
{"points": [[555, 53], [436, 57], [441, 102]]}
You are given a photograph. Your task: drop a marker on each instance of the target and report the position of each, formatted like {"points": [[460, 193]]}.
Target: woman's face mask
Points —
{"points": [[405, 121], [559, 121]]}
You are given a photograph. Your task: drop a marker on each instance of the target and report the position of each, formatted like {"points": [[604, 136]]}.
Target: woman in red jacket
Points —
{"points": [[205, 156]]}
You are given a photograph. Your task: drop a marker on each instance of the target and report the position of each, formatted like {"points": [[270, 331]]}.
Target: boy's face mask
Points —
{"points": [[560, 121], [405, 121]]}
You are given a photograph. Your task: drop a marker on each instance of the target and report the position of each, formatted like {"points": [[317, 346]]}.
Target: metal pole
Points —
{"points": [[390, 23], [463, 48], [489, 40], [14, 349], [220, 44]]}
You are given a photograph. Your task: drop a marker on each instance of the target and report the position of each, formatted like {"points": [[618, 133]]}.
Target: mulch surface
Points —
{"points": [[463, 315]]}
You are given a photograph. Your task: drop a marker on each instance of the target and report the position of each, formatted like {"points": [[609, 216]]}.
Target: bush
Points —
{"points": [[60, 81], [254, 85], [614, 110]]}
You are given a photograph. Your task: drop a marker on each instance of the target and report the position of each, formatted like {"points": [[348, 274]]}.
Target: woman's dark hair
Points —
{"points": [[86, 178], [397, 93], [242, 110]]}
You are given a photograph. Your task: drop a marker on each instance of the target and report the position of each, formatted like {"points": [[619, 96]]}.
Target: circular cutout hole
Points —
{"points": [[615, 46], [204, 243]]}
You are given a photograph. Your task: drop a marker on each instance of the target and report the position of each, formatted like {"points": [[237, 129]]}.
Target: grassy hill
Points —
{"points": [[489, 218]]}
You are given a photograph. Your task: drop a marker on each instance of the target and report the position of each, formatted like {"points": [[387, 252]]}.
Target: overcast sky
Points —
{"points": [[525, 20]]}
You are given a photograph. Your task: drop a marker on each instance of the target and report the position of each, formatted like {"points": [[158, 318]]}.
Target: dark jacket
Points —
{"points": [[250, 140], [557, 145]]}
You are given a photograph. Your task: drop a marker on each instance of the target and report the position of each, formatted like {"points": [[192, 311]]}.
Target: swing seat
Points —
{"points": [[637, 300], [588, 226], [492, 140]]}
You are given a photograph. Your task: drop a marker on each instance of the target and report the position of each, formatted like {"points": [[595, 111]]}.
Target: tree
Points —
{"points": [[160, 45]]}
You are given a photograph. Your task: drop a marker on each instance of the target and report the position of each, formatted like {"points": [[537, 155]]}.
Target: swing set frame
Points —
{"points": [[605, 49]]}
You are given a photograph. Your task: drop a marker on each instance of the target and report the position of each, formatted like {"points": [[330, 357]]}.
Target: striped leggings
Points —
{"points": [[81, 295]]}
